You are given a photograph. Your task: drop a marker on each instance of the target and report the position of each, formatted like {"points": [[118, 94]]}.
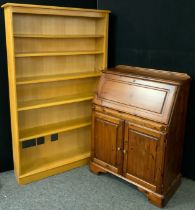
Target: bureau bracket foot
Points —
{"points": [[161, 200], [95, 169], [155, 199]]}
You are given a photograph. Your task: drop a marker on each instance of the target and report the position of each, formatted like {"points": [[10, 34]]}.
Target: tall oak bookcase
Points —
{"points": [[55, 57]]}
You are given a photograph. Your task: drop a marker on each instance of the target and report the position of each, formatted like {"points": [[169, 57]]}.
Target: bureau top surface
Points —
{"points": [[151, 74], [150, 95], [52, 7]]}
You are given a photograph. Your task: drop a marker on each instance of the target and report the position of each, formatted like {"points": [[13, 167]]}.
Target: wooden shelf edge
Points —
{"points": [[58, 130], [55, 103], [40, 174], [54, 78], [55, 36], [61, 163], [47, 54]]}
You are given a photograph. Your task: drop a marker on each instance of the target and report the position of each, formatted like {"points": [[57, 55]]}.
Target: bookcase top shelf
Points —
{"points": [[53, 10], [52, 7]]}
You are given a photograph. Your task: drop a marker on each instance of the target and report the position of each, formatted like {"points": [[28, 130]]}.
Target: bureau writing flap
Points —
{"points": [[144, 98]]}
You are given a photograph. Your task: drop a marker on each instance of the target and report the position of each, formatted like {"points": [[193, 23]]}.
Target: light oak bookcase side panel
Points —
{"points": [[55, 58], [12, 89]]}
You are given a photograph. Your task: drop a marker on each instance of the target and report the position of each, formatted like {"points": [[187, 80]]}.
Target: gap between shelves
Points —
{"points": [[41, 103], [40, 131], [57, 77]]}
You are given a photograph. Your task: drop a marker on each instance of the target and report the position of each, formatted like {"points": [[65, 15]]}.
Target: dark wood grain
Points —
{"points": [[108, 141], [138, 128], [139, 147], [144, 98]]}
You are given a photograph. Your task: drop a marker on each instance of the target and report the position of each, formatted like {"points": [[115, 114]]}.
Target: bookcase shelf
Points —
{"points": [[46, 164], [57, 77], [22, 55], [41, 103], [55, 57], [60, 36], [45, 130]]}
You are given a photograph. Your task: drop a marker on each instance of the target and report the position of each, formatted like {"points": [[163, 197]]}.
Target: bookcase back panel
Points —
{"points": [[100, 26], [99, 44], [56, 89], [99, 62], [54, 65], [49, 24], [29, 45], [55, 114], [69, 144]]}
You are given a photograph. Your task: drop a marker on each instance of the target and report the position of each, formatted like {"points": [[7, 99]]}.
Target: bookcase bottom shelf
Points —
{"points": [[49, 167], [71, 149]]}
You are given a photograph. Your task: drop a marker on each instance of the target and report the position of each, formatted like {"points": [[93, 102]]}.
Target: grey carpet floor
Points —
{"points": [[82, 190]]}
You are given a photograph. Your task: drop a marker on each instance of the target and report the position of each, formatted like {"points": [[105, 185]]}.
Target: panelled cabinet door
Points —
{"points": [[107, 143], [142, 149]]}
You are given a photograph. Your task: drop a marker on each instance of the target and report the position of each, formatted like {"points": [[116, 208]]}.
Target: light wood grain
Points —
{"points": [[56, 45], [37, 104], [54, 162], [55, 57], [44, 173], [52, 7], [55, 65], [54, 114], [12, 89], [54, 26], [56, 153], [22, 55], [55, 36], [60, 90], [54, 78], [48, 129]]}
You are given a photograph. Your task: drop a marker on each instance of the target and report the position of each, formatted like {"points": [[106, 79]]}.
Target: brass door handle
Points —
{"points": [[119, 149], [125, 151]]}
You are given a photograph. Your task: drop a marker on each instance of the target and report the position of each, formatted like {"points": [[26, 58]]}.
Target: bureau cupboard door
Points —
{"points": [[107, 142], [141, 155]]}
